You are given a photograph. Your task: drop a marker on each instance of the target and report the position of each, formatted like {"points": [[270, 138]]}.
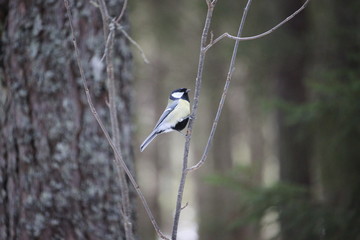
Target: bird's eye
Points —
{"points": [[177, 94]]}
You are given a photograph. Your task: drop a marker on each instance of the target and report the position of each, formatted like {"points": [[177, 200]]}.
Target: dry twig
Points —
{"points": [[121, 29], [204, 36], [118, 19], [224, 35], [109, 37], [231, 68], [116, 22], [98, 119], [186, 204]]}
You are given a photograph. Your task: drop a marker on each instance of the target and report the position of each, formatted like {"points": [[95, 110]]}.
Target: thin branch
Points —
{"points": [[105, 16], [195, 106], [231, 68], [226, 87], [124, 189], [204, 36], [94, 3], [99, 121], [118, 19], [106, 45], [120, 28], [227, 35], [186, 204]]}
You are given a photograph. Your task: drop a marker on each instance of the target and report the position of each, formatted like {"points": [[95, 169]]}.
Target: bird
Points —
{"points": [[174, 118]]}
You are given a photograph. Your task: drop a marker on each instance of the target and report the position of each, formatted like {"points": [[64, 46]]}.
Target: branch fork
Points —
{"points": [[203, 49]]}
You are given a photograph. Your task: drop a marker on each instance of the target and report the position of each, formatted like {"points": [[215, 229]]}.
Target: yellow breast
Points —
{"points": [[181, 111]]}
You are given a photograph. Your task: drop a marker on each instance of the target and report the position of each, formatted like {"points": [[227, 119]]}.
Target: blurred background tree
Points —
{"points": [[57, 176]]}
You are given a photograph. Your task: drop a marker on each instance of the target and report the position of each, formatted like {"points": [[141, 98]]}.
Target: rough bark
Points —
{"points": [[57, 176]]}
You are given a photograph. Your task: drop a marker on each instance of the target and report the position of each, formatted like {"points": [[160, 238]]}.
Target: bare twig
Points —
{"points": [[126, 208], [237, 38], [105, 16], [120, 28], [94, 3], [204, 36], [106, 45], [118, 19], [116, 22], [129, 38], [186, 204], [226, 87], [227, 35], [211, 5], [99, 121]]}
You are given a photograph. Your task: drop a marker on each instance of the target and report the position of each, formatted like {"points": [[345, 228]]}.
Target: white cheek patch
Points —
{"points": [[177, 94]]}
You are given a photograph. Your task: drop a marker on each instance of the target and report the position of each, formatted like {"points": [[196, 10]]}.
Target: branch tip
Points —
{"points": [[186, 204]]}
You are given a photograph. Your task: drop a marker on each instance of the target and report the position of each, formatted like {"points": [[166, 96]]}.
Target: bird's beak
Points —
{"points": [[188, 90]]}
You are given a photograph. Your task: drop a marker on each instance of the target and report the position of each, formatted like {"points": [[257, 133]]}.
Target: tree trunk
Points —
{"points": [[293, 138], [57, 175], [337, 126]]}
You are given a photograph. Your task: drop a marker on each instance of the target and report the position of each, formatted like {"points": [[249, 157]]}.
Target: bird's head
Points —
{"points": [[181, 93]]}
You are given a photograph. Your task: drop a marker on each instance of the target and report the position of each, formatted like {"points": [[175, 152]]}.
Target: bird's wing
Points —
{"points": [[170, 107]]}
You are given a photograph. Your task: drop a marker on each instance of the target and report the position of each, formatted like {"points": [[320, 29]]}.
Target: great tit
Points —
{"points": [[175, 116]]}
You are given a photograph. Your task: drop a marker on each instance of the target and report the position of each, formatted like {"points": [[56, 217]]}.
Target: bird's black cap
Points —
{"points": [[176, 94]]}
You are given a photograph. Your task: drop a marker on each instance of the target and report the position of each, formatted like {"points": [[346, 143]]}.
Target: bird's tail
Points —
{"points": [[148, 140]]}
